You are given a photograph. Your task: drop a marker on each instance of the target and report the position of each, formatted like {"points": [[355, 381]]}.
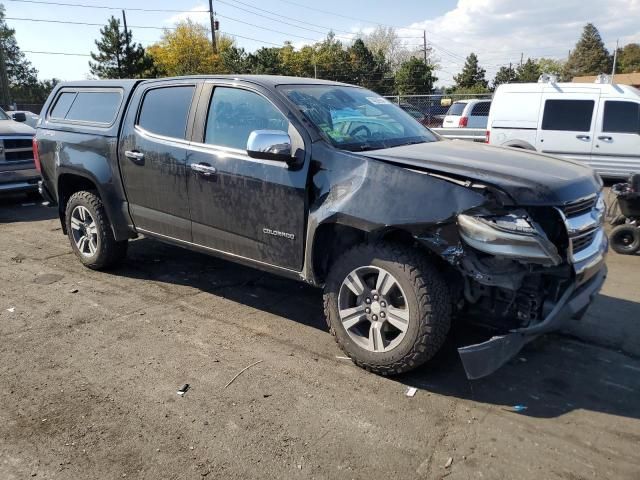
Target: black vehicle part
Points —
{"points": [[485, 358], [106, 251], [427, 299], [625, 239]]}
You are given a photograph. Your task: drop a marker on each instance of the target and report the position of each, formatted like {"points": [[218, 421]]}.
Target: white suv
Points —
{"points": [[598, 123], [467, 114]]}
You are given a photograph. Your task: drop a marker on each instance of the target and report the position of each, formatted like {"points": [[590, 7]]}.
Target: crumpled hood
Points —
{"points": [[10, 127], [529, 178]]}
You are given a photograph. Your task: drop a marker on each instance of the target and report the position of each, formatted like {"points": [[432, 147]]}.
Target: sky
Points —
{"points": [[498, 31]]}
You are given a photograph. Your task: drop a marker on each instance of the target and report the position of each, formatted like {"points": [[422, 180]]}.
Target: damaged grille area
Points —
{"points": [[579, 207], [581, 242], [16, 149]]}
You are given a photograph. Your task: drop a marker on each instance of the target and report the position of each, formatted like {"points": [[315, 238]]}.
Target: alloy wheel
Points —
{"points": [[84, 231]]}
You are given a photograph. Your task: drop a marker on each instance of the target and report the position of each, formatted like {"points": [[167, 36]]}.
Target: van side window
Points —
{"points": [[481, 109], [165, 111], [234, 113], [621, 117], [568, 115]]}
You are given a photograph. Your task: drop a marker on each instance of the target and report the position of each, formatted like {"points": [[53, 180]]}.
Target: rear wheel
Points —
{"points": [[625, 239], [90, 232], [388, 308]]}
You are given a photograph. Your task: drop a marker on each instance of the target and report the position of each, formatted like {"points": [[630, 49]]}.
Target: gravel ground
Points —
{"points": [[90, 363]]}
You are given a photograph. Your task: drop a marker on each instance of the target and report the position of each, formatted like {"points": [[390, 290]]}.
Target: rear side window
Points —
{"points": [[165, 111], [234, 113], [63, 103], [481, 109], [457, 108], [568, 115], [621, 117], [95, 107]]}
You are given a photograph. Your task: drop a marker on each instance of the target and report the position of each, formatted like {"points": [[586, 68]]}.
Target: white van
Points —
{"points": [[598, 123]]}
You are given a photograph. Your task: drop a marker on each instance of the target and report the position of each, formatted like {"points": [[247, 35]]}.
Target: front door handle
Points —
{"points": [[135, 156], [583, 137], [203, 168], [605, 137]]}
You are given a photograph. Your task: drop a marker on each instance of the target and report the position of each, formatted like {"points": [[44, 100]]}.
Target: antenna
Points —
{"points": [[615, 57]]}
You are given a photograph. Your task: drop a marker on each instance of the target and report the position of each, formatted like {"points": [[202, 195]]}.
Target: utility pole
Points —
{"points": [[4, 80], [213, 28], [521, 58], [615, 58], [424, 45], [127, 48]]}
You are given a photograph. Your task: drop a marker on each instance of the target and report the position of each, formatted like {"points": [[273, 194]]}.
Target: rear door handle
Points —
{"points": [[203, 168], [135, 156], [605, 137], [583, 137]]}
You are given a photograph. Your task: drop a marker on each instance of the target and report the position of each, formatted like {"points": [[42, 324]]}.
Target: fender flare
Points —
{"points": [[519, 144]]}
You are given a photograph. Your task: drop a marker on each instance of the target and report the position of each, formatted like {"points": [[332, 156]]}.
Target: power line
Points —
{"points": [[105, 7], [58, 53]]}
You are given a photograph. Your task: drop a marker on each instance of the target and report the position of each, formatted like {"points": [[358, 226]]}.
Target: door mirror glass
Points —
{"points": [[269, 145], [19, 116]]}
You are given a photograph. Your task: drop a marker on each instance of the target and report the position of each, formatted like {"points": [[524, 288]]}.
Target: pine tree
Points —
{"points": [[589, 57], [472, 75], [415, 77], [118, 56], [528, 72], [504, 75]]}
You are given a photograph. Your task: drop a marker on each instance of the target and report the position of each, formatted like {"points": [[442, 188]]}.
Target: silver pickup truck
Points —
{"points": [[17, 168]]}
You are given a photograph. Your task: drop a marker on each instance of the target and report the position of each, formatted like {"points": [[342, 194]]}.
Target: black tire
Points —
{"points": [[625, 239], [109, 252], [427, 298]]}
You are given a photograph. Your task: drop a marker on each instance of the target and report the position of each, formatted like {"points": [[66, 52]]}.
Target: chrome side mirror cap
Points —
{"points": [[269, 145]]}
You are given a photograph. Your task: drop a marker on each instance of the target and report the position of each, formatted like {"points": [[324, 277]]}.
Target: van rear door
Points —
{"points": [[616, 148], [567, 124]]}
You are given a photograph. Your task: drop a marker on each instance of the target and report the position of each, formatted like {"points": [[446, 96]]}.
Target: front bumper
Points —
{"points": [[23, 180], [485, 358]]}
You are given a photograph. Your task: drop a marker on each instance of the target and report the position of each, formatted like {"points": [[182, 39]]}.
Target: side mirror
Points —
{"points": [[19, 116], [269, 145]]}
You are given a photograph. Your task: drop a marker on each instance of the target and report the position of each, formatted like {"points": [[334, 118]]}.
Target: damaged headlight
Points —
{"points": [[512, 235]]}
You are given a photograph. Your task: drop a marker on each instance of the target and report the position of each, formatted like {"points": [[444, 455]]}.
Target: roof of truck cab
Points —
{"points": [[265, 80]]}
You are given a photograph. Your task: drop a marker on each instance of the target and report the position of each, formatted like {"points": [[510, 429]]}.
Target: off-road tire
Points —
{"points": [[625, 231], [428, 299], [109, 252]]}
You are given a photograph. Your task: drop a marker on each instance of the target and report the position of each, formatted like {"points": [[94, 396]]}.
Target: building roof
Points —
{"points": [[620, 78]]}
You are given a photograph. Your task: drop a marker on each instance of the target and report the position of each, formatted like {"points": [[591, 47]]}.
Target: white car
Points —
{"points": [[467, 114], [598, 123]]}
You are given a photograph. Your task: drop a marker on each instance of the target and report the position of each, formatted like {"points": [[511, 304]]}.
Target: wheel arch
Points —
{"points": [[519, 144]]}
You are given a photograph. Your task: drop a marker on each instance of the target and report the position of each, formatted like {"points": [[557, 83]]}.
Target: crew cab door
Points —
{"points": [[567, 125], [245, 207], [153, 155], [616, 148]]}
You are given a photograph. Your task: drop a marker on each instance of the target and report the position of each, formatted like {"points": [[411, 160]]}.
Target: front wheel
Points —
{"points": [[388, 308], [625, 239], [90, 232]]}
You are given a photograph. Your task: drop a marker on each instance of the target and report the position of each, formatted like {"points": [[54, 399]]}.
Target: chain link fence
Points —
{"points": [[430, 110]]}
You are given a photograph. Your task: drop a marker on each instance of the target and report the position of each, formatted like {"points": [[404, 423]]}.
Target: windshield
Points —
{"points": [[356, 119], [3, 115]]}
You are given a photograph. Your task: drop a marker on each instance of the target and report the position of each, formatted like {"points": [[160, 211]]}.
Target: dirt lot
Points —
{"points": [[90, 363]]}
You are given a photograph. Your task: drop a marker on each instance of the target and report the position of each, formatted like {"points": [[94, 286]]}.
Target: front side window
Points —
{"points": [[356, 119], [568, 115], [234, 113], [621, 117], [165, 111]]}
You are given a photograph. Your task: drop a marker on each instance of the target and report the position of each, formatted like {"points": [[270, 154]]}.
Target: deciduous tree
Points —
{"points": [[415, 77]]}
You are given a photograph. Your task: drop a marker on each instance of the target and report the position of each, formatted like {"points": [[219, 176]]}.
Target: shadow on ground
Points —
{"points": [[551, 376], [16, 208]]}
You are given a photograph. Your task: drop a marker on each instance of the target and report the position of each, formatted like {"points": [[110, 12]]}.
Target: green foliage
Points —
{"points": [[118, 56], [504, 75], [552, 67], [589, 57], [472, 75], [414, 77], [628, 58], [528, 72]]}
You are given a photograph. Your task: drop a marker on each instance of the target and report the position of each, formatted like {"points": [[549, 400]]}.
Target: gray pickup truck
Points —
{"points": [[333, 185], [17, 168]]}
